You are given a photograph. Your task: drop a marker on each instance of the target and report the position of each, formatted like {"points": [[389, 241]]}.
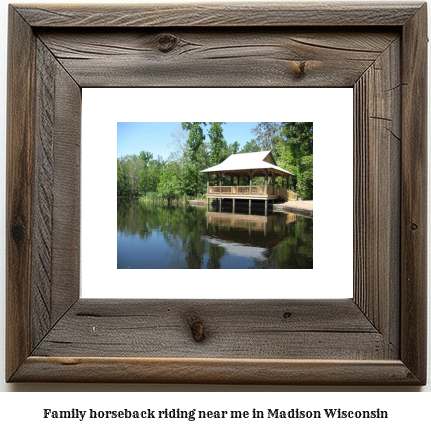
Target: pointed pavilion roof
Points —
{"points": [[245, 161]]}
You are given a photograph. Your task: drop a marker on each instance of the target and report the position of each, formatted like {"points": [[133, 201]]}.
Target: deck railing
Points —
{"points": [[255, 190], [237, 190], [288, 195]]}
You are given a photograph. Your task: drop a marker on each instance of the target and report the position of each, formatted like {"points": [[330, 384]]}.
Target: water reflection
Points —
{"points": [[245, 234], [152, 236]]}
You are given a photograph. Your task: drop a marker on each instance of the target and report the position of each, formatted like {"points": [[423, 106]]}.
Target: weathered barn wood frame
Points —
{"points": [[378, 337]]}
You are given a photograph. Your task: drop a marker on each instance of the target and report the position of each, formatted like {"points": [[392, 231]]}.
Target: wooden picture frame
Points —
{"points": [[378, 337]]}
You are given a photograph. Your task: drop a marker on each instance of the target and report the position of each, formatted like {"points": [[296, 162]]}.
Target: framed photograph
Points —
{"points": [[203, 234], [377, 337]]}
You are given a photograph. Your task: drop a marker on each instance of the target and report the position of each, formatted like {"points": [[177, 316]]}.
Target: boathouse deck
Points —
{"points": [[249, 166], [251, 192]]}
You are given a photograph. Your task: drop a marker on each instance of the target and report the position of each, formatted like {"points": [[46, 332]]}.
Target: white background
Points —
{"points": [[407, 409], [330, 110]]}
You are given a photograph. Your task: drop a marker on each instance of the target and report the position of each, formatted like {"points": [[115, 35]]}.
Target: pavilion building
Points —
{"points": [[249, 165]]}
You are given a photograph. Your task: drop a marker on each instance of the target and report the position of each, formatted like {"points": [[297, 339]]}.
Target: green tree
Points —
{"points": [[306, 167], [233, 148], [251, 147], [267, 135], [218, 145], [154, 170], [196, 159], [144, 177], [122, 178], [169, 186], [195, 140], [128, 176], [191, 183], [135, 165], [138, 175], [296, 155]]}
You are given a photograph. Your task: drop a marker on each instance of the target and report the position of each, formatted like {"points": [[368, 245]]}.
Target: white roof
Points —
{"points": [[245, 161]]}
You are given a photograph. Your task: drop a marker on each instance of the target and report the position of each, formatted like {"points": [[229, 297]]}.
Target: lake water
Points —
{"points": [[151, 236]]}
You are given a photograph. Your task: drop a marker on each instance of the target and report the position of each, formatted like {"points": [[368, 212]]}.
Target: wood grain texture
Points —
{"points": [[234, 329], [211, 57], [43, 194], [55, 268], [43, 179], [377, 100], [414, 195], [220, 15], [19, 200], [215, 371], [67, 198]]}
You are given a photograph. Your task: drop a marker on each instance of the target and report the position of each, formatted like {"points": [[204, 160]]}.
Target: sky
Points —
{"points": [[132, 138]]}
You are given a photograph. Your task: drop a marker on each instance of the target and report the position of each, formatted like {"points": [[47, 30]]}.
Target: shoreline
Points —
{"points": [[304, 208]]}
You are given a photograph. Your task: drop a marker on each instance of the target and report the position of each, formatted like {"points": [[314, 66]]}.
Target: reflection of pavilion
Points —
{"points": [[248, 221], [249, 165], [237, 249], [245, 234]]}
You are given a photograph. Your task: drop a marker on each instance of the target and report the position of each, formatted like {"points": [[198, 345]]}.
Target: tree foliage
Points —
{"points": [[137, 175], [218, 145], [292, 146], [267, 135], [179, 175], [251, 147], [195, 140], [169, 186], [296, 155]]}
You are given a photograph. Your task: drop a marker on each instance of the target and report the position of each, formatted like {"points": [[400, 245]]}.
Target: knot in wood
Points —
{"points": [[167, 42], [414, 226], [197, 328], [300, 69], [18, 233]]}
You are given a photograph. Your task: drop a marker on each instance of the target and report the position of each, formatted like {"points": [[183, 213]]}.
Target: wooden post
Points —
{"points": [[251, 178], [266, 181], [208, 182], [266, 207], [233, 205], [220, 181]]}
